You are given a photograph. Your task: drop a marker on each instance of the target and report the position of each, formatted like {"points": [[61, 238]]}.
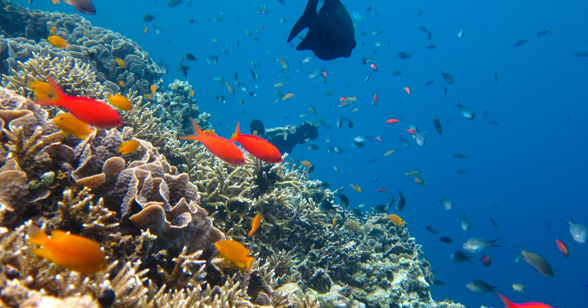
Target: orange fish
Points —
{"points": [[306, 163], [87, 110], [120, 101], [325, 73], [236, 253], [258, 147], [120, 62], [73, 252], [153, 90], [255, 224], [57, 41], [128, 147], [393, 121], [122, 84], [69, 125], [191, 93], [146, 30], [396, 219], [55, 2], [412, 131], [562, 248], [218, 146], [53, 30], [42, 89], [407, 89], [374, 67], [510, 304]]}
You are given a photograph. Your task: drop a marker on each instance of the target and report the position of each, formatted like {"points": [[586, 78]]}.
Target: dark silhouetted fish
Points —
{"points": [[460, 256], [493, 222], [257, 126], [521, 42], [330, 31]]}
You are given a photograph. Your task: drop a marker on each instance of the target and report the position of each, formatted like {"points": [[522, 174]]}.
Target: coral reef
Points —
{"points": [[25, 31], [157, 212]]}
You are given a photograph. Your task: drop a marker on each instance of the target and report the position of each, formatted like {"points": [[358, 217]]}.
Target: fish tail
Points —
{"points": [[197, 131], [506, 301], [57, 94], [249, 262], [236, 134], [36, 236]]}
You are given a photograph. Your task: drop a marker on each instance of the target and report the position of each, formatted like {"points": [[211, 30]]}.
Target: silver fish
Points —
{"points": [[578, 231], [420, 137], [536, 261], [340, 121], [466, 112], [476, 245], [447, 203], [466, 224]]}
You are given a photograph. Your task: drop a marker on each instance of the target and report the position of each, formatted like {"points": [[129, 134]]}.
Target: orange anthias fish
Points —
{"points": [[153, 90], [412, 131], [258, 147], [120, 102], [510, 304], [562, 248], [218, 146], [146, 30], [69, 125], [396, 219], [375, 99], [120, 62], [42, 89], [57, 41], [84, 109], [128, 147], [256, 223], [407, 89], [393, 121], [236, 253], [374, 67], [73, 252]]}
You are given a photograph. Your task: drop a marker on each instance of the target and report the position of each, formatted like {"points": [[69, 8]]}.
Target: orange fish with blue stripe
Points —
{"points": [[71, 251], [236, 253], [218, 146], [87, 110], [258, 147]]}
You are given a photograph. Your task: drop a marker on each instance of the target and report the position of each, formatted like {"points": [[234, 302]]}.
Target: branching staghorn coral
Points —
{"points": [[72, 75]]}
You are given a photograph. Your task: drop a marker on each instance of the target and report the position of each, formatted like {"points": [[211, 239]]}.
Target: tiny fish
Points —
{"points": [[479, 286], [445, 239], [520, 42], [255, 224], [460, 256], [355, 187], [493, 222], [466, 224], [447, 203], [562, 248], [431, 229], [486, 261]]}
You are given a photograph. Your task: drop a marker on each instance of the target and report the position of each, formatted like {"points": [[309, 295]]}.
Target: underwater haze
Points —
{"points": [[527, 166]]}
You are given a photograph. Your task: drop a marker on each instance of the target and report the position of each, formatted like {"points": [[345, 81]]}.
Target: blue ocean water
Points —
{"points": [[526, 172]]}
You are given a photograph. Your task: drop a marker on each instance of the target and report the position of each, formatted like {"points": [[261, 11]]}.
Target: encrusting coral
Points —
{"points": [[158, 211]]}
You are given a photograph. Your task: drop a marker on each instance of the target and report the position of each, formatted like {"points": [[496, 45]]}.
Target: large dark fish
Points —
{"points": [[330, 31], [257, 126]]}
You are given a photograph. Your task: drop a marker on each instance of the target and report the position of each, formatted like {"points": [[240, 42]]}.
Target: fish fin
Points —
{"points": [[305, 20], [236, 134], [249, 262], [507, 302], [43, 253], [58, 234], [496, 240], [197, 131], [36, 236], [306, 44], [57, 94], [469, 260]]}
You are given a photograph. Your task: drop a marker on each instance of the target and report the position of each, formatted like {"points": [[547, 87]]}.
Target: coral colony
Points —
{"points": [[158, 211]]}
